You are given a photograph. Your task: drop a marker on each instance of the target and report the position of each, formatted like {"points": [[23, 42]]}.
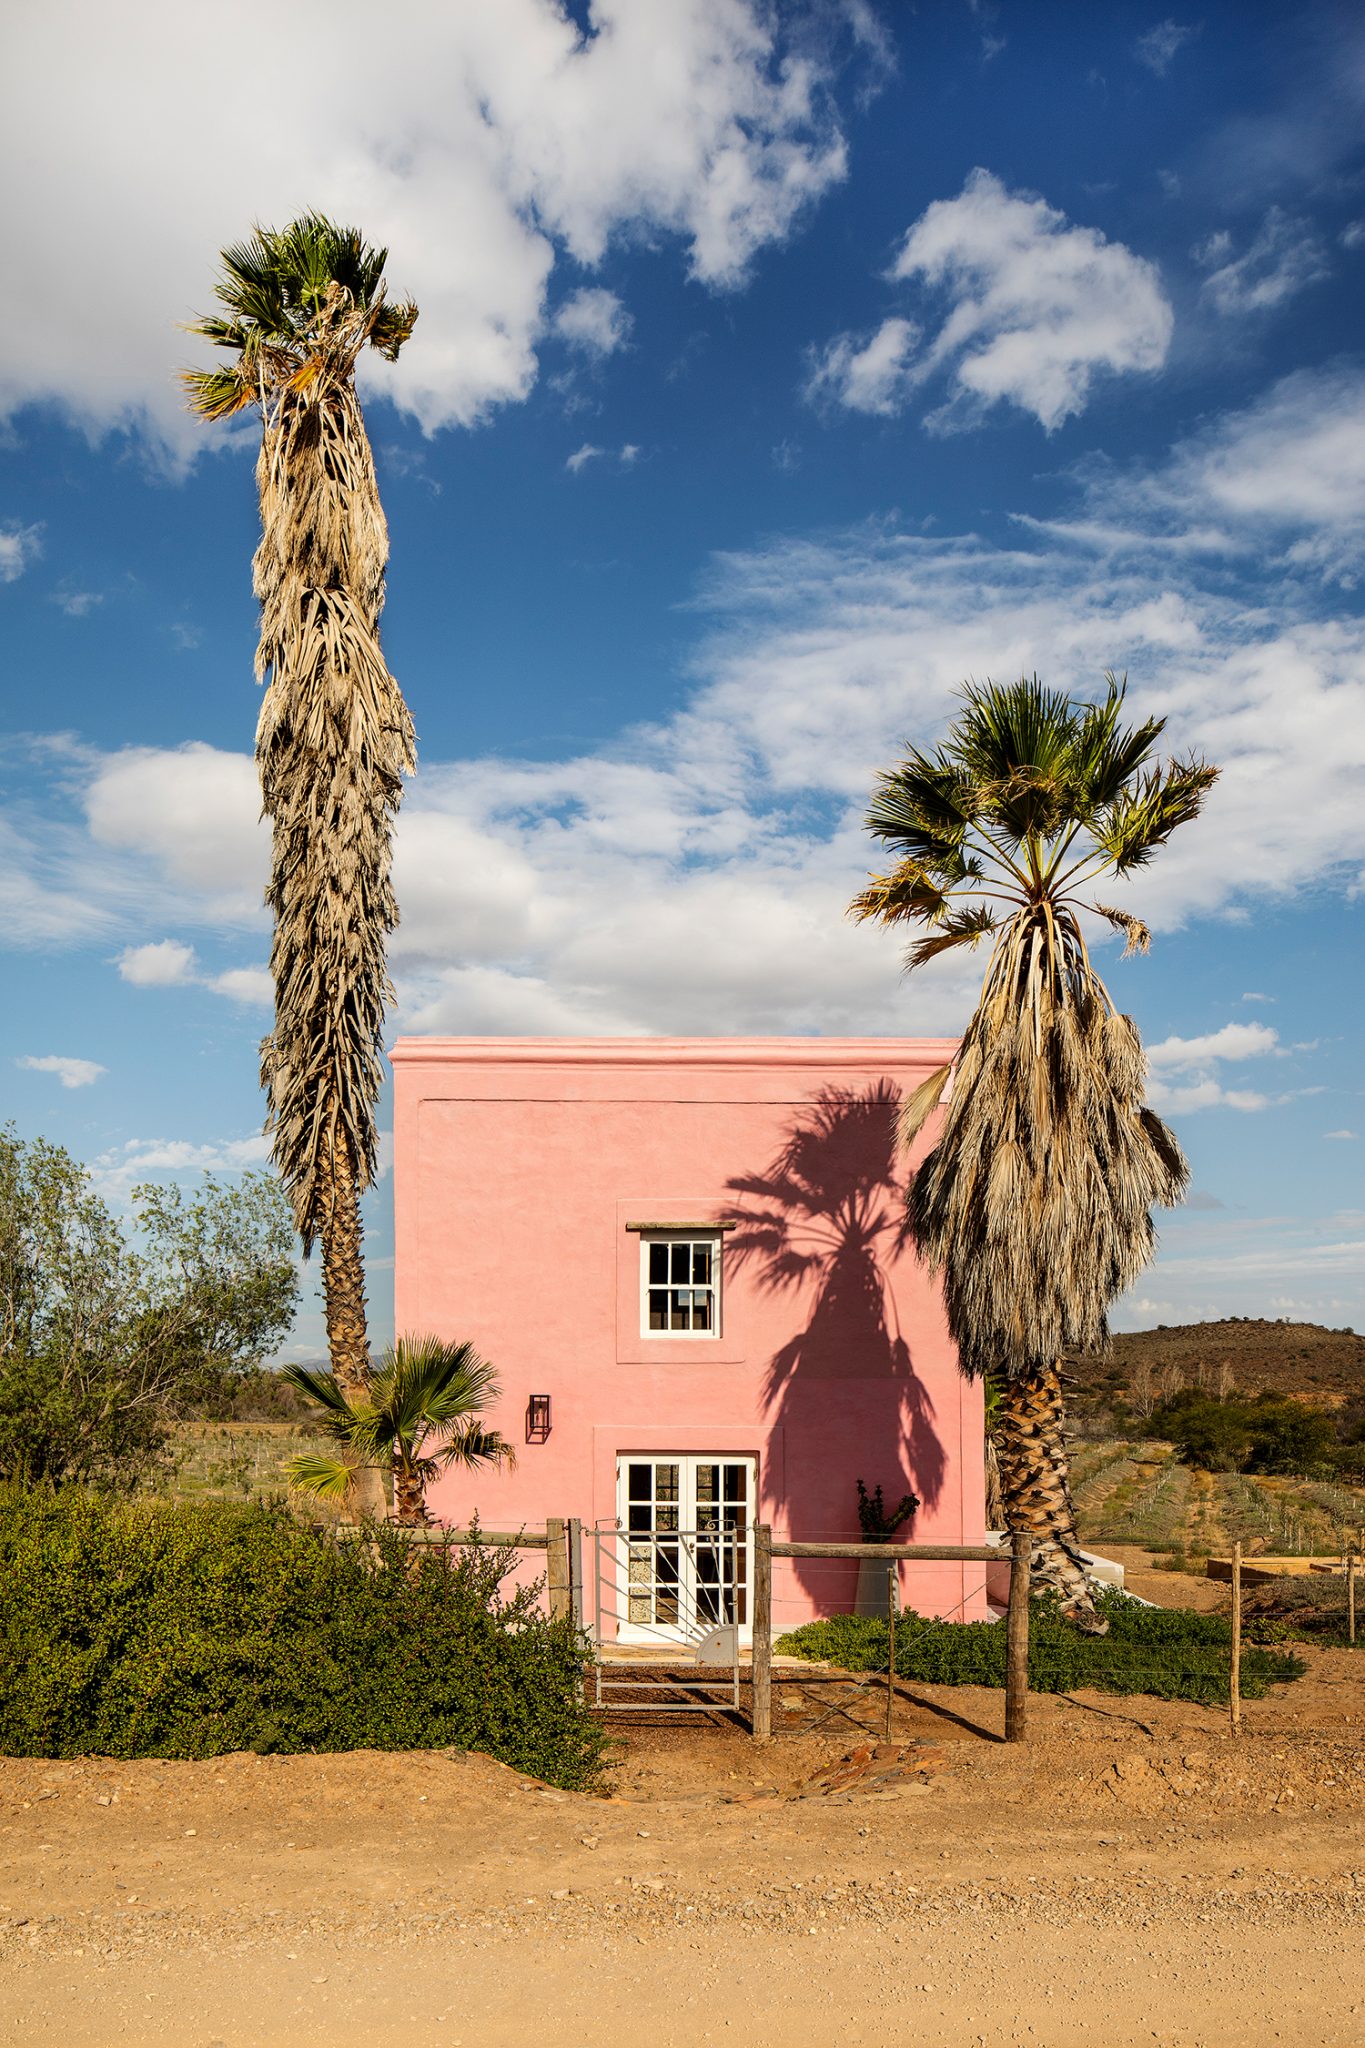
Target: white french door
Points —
{"points": [[685, 1522]]}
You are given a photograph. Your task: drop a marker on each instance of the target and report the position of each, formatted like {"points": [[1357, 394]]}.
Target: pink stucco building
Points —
{"points": [[691, 1250]]}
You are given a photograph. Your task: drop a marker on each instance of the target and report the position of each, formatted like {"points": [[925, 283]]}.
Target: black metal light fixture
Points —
{"points": [[537, 1418]]}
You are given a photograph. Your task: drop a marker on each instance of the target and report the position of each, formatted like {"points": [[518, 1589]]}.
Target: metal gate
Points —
{"points": [[665, 1611]]}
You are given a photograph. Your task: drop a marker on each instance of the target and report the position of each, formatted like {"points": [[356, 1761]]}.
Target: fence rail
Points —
{"points": [[434, 1533], [1018, 1557]]}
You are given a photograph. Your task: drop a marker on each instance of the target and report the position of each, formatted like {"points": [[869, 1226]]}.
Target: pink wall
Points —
{"points": [[518, 1164]]}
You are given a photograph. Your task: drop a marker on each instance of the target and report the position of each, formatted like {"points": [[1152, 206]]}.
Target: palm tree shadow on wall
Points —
{"points": [[828, 1215]]}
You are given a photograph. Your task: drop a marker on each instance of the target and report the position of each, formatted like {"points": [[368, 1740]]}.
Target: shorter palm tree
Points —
{"points": [[422, 1415]]}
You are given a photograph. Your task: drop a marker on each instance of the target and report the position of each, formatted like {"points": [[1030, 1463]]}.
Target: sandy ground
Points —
{"points": [[1134, 1874]]}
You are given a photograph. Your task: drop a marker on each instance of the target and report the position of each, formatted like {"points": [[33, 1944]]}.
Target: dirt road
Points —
{"points": [[1134, 1875]]}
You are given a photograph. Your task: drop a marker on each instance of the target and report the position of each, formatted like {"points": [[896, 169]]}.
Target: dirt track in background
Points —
{"points": [[1134, 1874]]}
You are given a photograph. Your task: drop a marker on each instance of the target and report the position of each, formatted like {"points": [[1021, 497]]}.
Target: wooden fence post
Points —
{"points": [[574, 1536], [556, 1566], [762, 1711], [1350, 1593], [1235, 1675], [1016, 1639], [892, 1589]]}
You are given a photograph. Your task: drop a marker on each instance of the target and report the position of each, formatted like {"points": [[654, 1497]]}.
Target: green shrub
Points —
{"points": [[157, 1629], [1166, 1651], [1270, 1434]]}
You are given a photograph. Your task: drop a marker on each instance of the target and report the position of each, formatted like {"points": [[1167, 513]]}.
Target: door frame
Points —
{"points": [[687, 1463]]}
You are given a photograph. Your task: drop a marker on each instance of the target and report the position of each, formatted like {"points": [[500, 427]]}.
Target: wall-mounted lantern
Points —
{"points": [[537, 1418]]}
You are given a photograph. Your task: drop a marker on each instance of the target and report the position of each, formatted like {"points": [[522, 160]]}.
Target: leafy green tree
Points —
{"points": [[334, 739], [423, 1415], [1034, 1203], [1270, 1434], [105, 1339]]}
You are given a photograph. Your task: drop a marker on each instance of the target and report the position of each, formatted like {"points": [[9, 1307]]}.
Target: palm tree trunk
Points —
{"points": [[409, 1499], [1034, 1480], [343, 1288], [995, 1501]]}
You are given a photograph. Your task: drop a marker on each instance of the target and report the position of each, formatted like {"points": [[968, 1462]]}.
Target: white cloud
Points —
{"points": [[1284, 258], [19, 545], [169, 963], [1351, 1135], [1287, 472], [479, 143], [77, 604], [195, 812], [692, 876], [1159, 45], [114, 1172], [1250, 995], [1197, 1058], [626, 456], [244, 985], [594, 321], [1037, 309], [163, 963], [1205, 1094], [1232, 1042], [867, 373], [71, 1073]]}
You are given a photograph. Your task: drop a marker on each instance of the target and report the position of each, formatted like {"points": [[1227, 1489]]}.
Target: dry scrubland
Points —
{"points": [[1139, 1493]]}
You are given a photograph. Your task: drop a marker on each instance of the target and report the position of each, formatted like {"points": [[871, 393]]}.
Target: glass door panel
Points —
{"points": [[686, 1521]]}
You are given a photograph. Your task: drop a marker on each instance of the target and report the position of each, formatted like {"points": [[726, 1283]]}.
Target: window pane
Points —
{"points": [[666, 1482], [701, 1265], [639, 1517], [679, 1255], [640, 1484], [678, 1316], [701, 1311], [658, 1308], [658, 1264], [735, 1488]]}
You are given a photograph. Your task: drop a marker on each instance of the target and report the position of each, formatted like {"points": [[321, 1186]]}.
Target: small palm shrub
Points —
{"points": [[151, 1628]]}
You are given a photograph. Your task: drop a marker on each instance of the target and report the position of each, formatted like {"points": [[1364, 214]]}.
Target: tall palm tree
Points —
{"points": [[334, 738], [420, 1417], [1035, 1202]]}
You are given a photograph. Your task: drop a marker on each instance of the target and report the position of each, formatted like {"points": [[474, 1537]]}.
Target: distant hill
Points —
{"points": [[1303, 1359]]}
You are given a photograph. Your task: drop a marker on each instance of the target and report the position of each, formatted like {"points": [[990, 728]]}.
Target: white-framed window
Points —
{"points": [[680, 1284]]}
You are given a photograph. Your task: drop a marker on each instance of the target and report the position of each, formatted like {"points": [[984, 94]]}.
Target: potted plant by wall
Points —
{"points": [[878, 1526]]}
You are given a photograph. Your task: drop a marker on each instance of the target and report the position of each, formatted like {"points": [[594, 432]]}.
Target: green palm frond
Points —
{"points": [[1143, 816], [1011, 728], [328, 1478], [216, 394], [282, 291], [321, 1387], [473, 1447], [924, 809], [958, 928], [908, 892], [1104, 755]]}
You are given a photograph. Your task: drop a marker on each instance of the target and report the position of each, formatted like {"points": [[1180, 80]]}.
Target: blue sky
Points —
{"points": [[775, 372]]}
